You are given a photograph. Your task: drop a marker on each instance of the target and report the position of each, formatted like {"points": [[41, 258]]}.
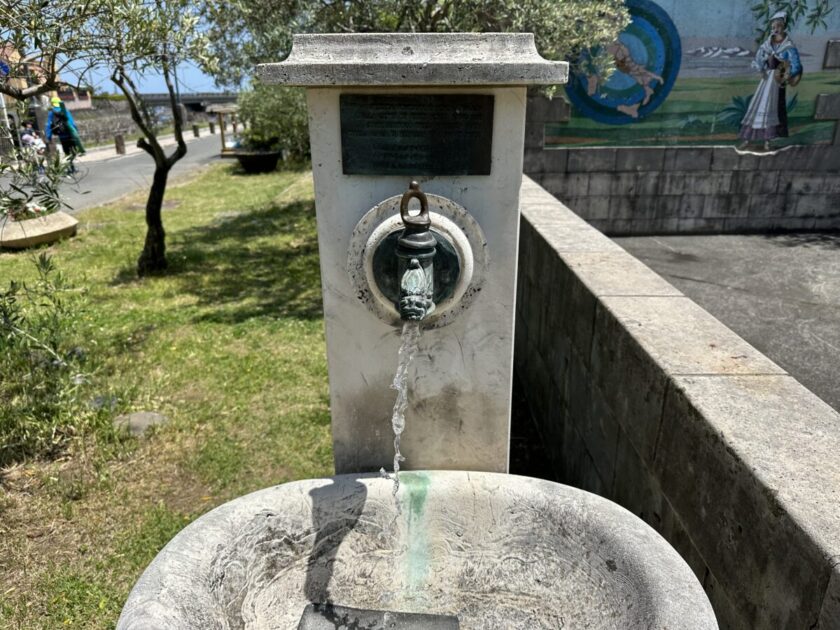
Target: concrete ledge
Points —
{"points": [[23, 234], [645, 398]]}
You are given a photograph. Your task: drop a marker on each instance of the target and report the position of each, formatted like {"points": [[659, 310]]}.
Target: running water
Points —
{"points": [[408, 346]]}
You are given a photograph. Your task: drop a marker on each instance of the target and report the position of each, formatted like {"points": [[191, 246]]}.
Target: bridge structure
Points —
{"points": [[195, 101]]}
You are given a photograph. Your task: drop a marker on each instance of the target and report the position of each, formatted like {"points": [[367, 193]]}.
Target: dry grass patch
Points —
{"points": [[228, 345]]}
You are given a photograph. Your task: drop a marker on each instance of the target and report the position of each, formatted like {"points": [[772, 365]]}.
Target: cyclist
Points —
{"points": [[60, 123]]}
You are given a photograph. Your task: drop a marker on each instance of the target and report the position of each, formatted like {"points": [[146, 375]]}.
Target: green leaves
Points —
{"points": [[276, 118], [43, 372], [241, 36], [30, 186]]}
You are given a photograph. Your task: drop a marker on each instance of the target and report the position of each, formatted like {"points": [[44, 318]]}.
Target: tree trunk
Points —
{"points": [[153, 257]]}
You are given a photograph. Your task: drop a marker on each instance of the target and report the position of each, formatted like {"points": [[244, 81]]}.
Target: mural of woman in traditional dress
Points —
{"points": [[687, 72], [777, 59]]}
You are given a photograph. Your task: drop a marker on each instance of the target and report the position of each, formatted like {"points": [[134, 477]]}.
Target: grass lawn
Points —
{"points": [[229, 345]]}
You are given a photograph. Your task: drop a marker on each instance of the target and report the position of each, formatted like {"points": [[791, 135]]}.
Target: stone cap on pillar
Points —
{"points": [[415, 59]]}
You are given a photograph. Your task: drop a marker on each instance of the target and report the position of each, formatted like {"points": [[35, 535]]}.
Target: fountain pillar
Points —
{"points": [[446, 110]]}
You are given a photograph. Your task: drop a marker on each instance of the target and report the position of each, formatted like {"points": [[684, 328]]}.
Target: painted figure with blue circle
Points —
{"points": [[777, 59]]}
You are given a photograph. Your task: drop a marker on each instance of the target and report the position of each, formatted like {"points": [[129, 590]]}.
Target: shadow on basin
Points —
{"points": [[335, 513]]}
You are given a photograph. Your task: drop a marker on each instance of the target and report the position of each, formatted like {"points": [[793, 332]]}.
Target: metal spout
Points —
{"points": [[415, 253]]}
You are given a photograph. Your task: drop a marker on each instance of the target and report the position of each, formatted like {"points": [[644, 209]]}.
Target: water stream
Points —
{"points": [[408, 346]]}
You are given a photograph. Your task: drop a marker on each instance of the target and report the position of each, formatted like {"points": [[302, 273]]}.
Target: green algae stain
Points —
{"points": [[416, 487]]}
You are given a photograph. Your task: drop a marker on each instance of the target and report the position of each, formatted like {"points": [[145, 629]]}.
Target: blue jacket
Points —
{"points": [[49, 131]]}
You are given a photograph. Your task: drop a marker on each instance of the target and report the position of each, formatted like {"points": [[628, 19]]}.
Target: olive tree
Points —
{"points": [[40, 40], [241, 35], [136, 38], [129, 39]]}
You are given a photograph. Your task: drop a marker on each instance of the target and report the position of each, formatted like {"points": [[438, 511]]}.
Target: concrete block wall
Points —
{"points": [[643, 397], [659, 190]]}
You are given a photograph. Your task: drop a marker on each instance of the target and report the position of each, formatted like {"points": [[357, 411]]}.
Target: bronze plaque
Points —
{"points": [[416, 134]]}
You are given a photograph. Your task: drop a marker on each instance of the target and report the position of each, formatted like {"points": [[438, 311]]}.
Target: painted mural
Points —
{"points": [[716, 72]]}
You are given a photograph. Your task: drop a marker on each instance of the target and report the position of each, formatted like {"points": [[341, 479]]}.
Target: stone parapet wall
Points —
{"points": [[658, 190], [643, 397]]}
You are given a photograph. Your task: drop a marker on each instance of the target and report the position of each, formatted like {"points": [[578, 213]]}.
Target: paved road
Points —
{"points": [[111, 177], [781, 293]]}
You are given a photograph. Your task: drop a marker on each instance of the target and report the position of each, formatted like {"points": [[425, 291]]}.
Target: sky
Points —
{"points": [[190, 79]]}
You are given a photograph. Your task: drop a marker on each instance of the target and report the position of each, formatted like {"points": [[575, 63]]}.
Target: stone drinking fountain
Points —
{"points": [[417, 159]]}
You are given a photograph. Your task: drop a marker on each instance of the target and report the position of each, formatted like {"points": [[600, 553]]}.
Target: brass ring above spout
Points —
{"points": [[421, 220]]}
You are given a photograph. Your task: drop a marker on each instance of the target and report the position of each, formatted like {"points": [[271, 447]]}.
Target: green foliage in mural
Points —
{"points": [[734, 113], [814, 12]]}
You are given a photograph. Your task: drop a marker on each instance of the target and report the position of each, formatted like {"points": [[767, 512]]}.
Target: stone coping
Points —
{"points": [[31, 232], [739, 442], [403, 59]]}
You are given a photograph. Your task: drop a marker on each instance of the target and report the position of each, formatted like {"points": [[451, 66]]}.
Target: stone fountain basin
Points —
{"points": [[498, 551]]}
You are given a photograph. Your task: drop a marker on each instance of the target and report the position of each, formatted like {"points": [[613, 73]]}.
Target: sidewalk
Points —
{"points": [[109, 152]]}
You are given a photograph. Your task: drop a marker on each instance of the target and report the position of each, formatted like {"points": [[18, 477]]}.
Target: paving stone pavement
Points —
{"points": [[779, 292]]}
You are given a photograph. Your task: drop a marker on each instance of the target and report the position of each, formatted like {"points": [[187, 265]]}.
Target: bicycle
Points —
{"points": [[76, 173]]}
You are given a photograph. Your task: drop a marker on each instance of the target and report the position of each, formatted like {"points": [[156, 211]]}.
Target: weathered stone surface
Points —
{"points": [[597, 208], [766, 206], [730, 615], [766, 182], [616, 273], [577, 462], [333, 617], [600, 184], [639, 159], [684, 339], [624, 185], [591, 160], [696, 188], [572, 236], [807, 184], [749, 464], [826, 223], [594, 422], [534, 136], [555, 160], [632, 384], [570, 311], [621, 208], [688, 159], [830, 613], [139, 422], [724, 159], [31, 232], [500, 59], [737, 472], [741, 182], [533, 162], [543, 109], [494, 550]]}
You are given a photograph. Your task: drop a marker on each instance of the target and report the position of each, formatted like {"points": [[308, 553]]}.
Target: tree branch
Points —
{"points": [[181, 149], [149, 142]]}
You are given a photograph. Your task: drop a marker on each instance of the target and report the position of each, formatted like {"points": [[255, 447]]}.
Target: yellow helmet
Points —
{"points": [[55, 101]]}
